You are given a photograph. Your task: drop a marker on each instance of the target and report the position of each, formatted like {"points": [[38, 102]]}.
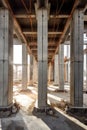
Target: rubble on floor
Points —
{"points": [[25, 98]]}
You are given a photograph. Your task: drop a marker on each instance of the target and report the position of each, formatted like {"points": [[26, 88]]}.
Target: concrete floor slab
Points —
{"points": [[41, 121]]}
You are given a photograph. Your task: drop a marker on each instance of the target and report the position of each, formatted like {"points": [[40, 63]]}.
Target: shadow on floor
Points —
{"points": [[13, 123], [57, 121]]}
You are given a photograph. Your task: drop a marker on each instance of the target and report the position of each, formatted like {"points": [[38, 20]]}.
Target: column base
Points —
{"points": [[31, 83], [61, 91], [76, 109], [79, 113], [48, 110], [6, 111], [55, 84]]}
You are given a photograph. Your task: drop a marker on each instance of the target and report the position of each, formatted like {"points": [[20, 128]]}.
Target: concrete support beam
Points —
{"points": [[61, 67], [76, 82], [26, 32], [59, 16], [28, 69], [68, 65], [66, 72], [24, 66], [6, 58], [56, 70], [31, 69], [35, 71], [86, 68], [50, 72], [42, 25]]}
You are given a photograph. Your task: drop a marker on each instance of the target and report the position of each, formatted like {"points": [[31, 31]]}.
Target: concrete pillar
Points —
{"points": [[6, 58], [76, 82], [66, 71], [69, 74], [56, 70], [61, 67], [31, 69], [24, 66], [68, 64], [50, 72], [16, 72], [35, 71], [28, 68], [42, 26], [86, 69]]}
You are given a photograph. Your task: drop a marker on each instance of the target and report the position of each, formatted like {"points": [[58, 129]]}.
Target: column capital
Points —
{"points": [[41, 9]]}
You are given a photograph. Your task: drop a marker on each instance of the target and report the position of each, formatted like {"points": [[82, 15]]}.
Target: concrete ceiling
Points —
{"points": [[25, 23]]}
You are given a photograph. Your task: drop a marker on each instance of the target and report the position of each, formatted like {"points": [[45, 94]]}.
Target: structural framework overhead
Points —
{"points": [[25, 23]]}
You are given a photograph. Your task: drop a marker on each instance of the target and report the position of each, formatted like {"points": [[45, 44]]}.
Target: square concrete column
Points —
{"points": [[66, 71], [28, 69], [35, 71], [68, 64], [86, 68], [69, 74], [56, 70], [24, 66], [42, 26], [76, 82], [61, 67], [6, 58], [50, 72], [31, 69]]}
